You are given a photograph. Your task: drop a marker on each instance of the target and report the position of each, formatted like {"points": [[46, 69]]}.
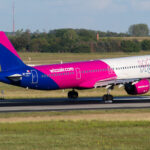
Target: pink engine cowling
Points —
{"points": [[142, 87]]}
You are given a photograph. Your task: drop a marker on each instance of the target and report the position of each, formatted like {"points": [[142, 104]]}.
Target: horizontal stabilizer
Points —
{"points": [[15, 77]]}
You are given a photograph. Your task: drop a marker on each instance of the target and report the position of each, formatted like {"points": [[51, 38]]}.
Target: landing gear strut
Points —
{"points": [[108, 98], [73, 94]]}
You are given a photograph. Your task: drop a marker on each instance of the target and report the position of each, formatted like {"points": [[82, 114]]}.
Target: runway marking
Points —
{"points": [[144, 116]]}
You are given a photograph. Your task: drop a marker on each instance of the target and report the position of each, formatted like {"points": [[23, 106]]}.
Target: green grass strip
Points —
{"points": [[79, 135]]}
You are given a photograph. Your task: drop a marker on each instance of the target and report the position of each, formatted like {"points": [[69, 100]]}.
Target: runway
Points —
{"points": [[64, 104]]}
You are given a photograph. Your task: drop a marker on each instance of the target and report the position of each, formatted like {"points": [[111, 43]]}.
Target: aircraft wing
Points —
{"points": [[107, 82]]}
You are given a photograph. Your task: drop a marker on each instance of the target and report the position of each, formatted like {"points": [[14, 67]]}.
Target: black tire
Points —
{"points": [[70, 94], [110, 97], [107, 98], [73, 94]]}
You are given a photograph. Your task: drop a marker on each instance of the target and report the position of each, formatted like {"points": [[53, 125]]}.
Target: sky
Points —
{"points": [[45, 15]]}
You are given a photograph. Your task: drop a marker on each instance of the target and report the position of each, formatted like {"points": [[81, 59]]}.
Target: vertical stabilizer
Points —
{"points": [[9, 58]]}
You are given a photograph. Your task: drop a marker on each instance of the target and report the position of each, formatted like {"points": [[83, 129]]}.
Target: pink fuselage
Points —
{"points": [[77, 74]]}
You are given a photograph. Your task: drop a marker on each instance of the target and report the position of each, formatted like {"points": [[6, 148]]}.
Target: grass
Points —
{"points": [[75, 113], [12, 92], [80, 135], [84, 116], [50, 58], [75, 135]]}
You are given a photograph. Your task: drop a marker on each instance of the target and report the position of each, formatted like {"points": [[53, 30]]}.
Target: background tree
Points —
{"points": [[75, 41], [39, 45], [145, 45], [130, 46], [139, 30]]}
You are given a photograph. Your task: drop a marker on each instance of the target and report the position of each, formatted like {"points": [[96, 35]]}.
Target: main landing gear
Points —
{"points": [[73, 94], [108, 98]]}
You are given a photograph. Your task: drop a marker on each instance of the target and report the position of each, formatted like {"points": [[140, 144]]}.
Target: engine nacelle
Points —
{"points": [[141, 87]]}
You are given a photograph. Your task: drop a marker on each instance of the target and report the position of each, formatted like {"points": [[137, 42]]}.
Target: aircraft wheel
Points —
{"points": [[72, 94], [107, 98]]}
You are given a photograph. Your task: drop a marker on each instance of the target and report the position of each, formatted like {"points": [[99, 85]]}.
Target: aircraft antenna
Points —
{"points": [[13, 16]]}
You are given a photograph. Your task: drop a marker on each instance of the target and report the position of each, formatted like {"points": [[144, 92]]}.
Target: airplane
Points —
{"points": [[132, 73]]}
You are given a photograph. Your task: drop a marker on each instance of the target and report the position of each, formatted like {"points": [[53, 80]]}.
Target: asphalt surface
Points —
{"points": [[64, 104]]}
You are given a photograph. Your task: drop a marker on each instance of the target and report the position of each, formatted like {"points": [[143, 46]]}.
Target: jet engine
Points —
{"points": [[140, 87]]}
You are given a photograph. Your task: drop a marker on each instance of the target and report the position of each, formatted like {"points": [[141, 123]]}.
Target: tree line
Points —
{"points": [[80, 40]]}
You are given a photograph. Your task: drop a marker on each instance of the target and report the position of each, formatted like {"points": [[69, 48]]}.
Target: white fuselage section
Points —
{"points": [[130, 67]]}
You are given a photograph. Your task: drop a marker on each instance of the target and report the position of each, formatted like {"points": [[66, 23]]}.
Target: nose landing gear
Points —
{"points": [[73, 94]]}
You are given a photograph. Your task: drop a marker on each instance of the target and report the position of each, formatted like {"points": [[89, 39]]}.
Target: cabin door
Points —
{"points": [[34, 76], [78, 73]]}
